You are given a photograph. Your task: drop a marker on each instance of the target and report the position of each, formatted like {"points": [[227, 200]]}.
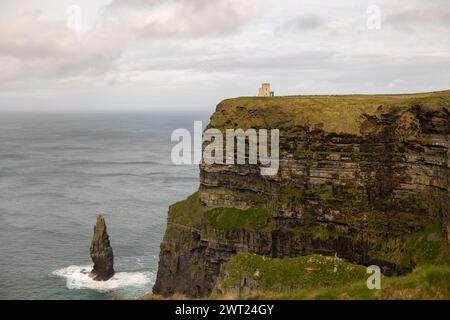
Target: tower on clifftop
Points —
{"points": [[264, 91]]}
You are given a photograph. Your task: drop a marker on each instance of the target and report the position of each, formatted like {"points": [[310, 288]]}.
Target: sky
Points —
{"points": [[126, 55]]}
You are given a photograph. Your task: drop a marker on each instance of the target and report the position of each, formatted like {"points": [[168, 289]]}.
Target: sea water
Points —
{"points": [[58, 171]]}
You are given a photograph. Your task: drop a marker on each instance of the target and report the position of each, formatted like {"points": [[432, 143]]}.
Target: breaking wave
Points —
{"points": [[78, 277]]}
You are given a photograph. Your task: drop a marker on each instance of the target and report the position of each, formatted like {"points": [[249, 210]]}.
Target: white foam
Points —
{"points": [[78, 277]]}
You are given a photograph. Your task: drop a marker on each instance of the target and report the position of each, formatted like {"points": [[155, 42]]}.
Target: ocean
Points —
{"points": [[58, 171]]}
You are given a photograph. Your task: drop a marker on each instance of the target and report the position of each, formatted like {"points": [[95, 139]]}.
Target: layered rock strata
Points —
{"points": [[359, 177]]}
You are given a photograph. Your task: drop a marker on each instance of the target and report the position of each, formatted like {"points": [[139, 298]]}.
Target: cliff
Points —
{"points": [[360, 178]]}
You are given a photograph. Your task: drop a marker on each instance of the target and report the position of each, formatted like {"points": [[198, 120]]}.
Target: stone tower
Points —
{"points": [[264, 91]]}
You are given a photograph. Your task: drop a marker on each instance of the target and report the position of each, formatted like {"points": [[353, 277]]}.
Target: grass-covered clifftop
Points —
{"points": [[338, 113]]}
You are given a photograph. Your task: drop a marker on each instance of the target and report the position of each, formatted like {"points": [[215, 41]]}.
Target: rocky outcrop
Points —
{"points": [[101, 252], [359, 177]]}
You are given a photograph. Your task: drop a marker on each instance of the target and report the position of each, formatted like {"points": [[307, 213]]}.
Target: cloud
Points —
{"points": [[139, 51], [417, 14], [32, 47], [188, 18], [302, 24]]}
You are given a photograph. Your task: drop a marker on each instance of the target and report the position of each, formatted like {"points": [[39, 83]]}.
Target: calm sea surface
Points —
{"points": [[58, 171]]}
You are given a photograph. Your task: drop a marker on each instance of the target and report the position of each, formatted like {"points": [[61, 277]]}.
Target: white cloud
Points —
{"points": [[34, 48], [302, 23], [188, 18]]}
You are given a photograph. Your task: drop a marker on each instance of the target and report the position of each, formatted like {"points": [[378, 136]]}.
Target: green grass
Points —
{"points": [[187, 212], [425, 283], [307, 272], [427, 247], [315, 277], [340, 114], [254, 218]]}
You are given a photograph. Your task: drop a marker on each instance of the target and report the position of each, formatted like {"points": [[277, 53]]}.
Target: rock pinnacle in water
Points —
{"points": [[101, 252]]}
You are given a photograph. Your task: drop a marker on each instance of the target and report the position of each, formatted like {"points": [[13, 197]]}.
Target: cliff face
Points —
{"points": [[359, 177]]}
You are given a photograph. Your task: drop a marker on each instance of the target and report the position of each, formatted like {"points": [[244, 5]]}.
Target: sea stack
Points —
{"points": [[101, 252]]}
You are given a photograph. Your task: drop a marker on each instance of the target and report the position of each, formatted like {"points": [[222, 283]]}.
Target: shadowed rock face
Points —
{"points": [[101, 252]]}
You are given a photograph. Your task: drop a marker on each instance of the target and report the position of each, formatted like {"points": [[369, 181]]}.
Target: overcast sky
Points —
{"points": [[186, 54]]}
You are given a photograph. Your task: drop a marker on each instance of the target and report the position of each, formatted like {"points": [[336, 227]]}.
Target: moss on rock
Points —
{"points": [[253, 218], [287, 275], [187, 212]]}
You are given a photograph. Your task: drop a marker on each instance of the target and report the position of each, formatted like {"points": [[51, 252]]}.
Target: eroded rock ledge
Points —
{"points": [[359, 177]]}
